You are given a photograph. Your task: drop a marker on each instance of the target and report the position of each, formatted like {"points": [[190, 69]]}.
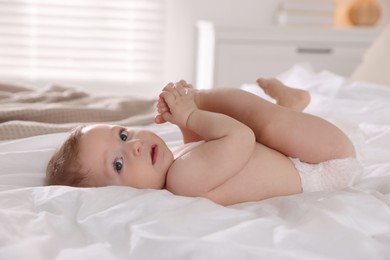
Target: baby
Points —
{"points": [[238, 147]]}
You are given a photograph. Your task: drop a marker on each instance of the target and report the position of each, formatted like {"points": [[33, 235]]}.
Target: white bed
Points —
{"points": [[58, 222]]}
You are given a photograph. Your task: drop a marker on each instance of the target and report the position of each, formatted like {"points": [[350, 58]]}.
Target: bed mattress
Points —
{"points": [[59, 222]]}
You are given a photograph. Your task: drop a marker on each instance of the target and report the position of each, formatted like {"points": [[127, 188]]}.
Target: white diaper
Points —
{"points": [[329, 175]]}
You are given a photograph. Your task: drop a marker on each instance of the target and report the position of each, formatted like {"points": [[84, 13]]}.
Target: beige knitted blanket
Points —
{"points": [[26, 112]]}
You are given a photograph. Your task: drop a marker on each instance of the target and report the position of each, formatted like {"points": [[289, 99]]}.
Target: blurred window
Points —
{"points": [[82, 40]]}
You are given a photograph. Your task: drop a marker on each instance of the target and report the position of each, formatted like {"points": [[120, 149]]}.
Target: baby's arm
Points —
{"points": [[228, 148]]}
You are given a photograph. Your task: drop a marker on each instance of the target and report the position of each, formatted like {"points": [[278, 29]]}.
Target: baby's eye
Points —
{"points": [[118, 165], [123, 135]]}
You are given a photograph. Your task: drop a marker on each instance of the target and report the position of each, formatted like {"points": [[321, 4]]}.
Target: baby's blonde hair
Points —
{"points": [[64, 167]]}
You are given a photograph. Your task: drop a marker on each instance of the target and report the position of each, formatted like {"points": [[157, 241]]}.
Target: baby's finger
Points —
{"points": [[181, 83], [185, 84], [158, 119], [168, 97], [161, 103], [173, 89], [162, 109], [182, 90], [170, 85], [167, 117]]}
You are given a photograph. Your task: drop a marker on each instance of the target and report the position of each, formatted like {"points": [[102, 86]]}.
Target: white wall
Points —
{"points": [[180, 28]]}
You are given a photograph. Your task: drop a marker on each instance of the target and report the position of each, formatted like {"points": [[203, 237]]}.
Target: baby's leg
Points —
{"points": [[293, 133]]}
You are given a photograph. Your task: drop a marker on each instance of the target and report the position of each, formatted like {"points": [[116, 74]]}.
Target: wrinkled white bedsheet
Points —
{"points": [[123, 223]]}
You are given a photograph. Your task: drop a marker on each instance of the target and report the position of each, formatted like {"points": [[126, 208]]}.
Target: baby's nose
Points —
{"points": [[135, 146]]}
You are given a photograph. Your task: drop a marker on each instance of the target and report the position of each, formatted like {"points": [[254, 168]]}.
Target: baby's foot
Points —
{"points": [[295, 99]]}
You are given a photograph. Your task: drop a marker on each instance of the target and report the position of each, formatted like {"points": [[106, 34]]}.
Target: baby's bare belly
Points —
{"points": [[267, 174]]}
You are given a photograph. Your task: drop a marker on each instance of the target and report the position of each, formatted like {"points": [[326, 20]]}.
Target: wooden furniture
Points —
{"points": [[228, 57]]}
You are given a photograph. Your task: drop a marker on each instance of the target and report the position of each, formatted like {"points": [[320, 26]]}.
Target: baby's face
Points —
{"points": [[114, 155]]}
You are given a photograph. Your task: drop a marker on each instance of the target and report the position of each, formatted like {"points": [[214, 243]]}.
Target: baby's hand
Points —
{"points": [[176, 102]]}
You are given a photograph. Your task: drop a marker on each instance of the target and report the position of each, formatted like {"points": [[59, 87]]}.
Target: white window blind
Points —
{"points": [[82, 40]]}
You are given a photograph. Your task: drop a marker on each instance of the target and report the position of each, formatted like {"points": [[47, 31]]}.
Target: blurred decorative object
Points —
{"points": [[357, 13], [305, 13], [364, 12]]}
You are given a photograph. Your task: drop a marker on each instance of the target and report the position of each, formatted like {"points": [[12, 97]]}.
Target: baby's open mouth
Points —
{"points": [[154, 154]]}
